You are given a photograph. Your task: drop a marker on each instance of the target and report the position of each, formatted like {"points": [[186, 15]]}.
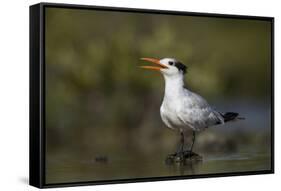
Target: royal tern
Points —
{"points": [[183, 109]]}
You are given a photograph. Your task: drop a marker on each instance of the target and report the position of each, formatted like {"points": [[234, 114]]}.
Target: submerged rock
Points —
{"points": [[101, 159]]}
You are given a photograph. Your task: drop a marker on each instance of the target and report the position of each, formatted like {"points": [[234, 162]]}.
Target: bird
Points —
{"points": [[182, 109]]}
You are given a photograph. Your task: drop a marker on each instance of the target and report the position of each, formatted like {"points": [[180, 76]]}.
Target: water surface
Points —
{"points": [[112, 167]]}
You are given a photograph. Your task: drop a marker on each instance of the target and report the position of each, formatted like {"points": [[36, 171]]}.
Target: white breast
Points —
{"points": [[169, 114]]}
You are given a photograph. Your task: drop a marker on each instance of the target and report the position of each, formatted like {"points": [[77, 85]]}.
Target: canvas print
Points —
{"points": [[133, 95]]}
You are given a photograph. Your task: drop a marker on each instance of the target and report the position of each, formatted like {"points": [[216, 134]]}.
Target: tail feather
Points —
{"points": [[230, 116]]}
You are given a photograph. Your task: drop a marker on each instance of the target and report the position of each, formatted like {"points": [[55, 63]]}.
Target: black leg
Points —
{"points": [[193, 141], [181, 155], [182, 143]]}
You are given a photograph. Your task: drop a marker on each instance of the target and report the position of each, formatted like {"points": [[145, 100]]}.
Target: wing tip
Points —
{"points": [[230, 116]]}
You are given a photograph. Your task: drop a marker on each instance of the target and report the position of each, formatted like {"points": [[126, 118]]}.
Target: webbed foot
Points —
{"points": [[182, 157]]}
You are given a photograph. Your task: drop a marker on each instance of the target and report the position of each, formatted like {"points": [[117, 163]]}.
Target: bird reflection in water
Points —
{"points": [[184, 167]]}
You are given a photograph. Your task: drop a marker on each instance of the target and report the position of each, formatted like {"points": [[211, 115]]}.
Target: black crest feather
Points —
{"points": [[181, 66]]}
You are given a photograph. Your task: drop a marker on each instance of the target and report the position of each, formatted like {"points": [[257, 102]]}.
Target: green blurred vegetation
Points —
{"points": [[100, 102]]}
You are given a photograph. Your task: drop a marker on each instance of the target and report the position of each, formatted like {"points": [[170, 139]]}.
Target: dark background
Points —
{"points": [[101, 105]]}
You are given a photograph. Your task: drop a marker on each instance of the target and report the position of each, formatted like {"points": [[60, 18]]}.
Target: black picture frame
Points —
{"points": [[37, 94]]}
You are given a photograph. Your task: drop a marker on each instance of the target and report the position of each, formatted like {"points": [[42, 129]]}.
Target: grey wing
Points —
{"points": [[198, 113]]}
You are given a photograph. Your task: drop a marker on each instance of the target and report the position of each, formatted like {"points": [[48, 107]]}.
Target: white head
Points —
{"points": [[167, 66]]}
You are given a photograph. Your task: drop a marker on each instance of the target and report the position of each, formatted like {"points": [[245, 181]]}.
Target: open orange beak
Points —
{"points": [[154, 61]]}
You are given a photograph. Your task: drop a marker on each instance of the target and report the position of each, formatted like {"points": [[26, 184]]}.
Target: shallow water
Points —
{"points": [[67, 169]]}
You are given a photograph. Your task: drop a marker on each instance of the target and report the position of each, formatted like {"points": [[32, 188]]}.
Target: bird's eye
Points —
{"points": [[171, 63]]}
